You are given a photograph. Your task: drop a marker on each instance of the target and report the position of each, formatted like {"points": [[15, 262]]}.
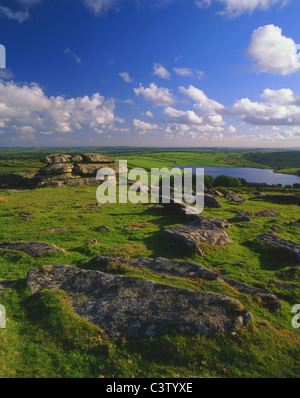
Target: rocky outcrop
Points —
{"points": [[33, 249], [191, 236], [185, 269], [288, 246], [64, 170], [137, 308], [56, 169], [268, 213], [90, 170], [97, 158]]}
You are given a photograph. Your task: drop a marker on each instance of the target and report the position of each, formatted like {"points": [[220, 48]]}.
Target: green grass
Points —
{"points": [[295, 171], [46, 338]]}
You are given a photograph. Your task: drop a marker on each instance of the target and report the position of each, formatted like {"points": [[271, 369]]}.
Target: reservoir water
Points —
{"points": [[250, 174]]}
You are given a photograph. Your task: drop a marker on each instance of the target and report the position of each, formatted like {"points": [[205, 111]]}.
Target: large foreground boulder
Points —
{"points": [[191, 236], [288, 246], [136, 308], [33, 249], [185, 269]]}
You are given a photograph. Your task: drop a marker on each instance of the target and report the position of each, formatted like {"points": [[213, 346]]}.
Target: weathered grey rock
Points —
{"points": [[56, 158], [282, 285], [287, 246], [218, 222], [193, 234], [27, 216], [77, 181], [90, 170], [51, 183], [241, 217], [295, 223], [97, 158], [233, 197], [211, 201], [76, 159], [20, 180], [185, 269], [136, 308], [33, 249], [268, 213], [57, 168]]}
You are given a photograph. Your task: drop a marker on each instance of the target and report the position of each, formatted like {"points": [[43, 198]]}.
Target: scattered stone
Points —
{"points": [[59, 229], [233, 197], [210, 201], [104, 227], [281, 285], [93, 243], [97, 204], [56, 158], [275, 228], [295, 223], [196, 232], [33, 249], [218, 222], [136, 308], [185, 269], [287, 246], [27, 216], [241, 217], [268, 213]]}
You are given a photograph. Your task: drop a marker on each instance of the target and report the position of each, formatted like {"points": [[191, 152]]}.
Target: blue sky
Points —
{"points": [[160, 73]]}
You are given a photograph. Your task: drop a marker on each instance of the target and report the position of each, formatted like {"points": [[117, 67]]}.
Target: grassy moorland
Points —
{"points": [[44, 337]]}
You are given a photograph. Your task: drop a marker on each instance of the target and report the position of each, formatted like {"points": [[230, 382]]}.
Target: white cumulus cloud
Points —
{"points": [[160, 71], [277, 108], [125, 76], [28, 106], [160, 96], [273, 52]]}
